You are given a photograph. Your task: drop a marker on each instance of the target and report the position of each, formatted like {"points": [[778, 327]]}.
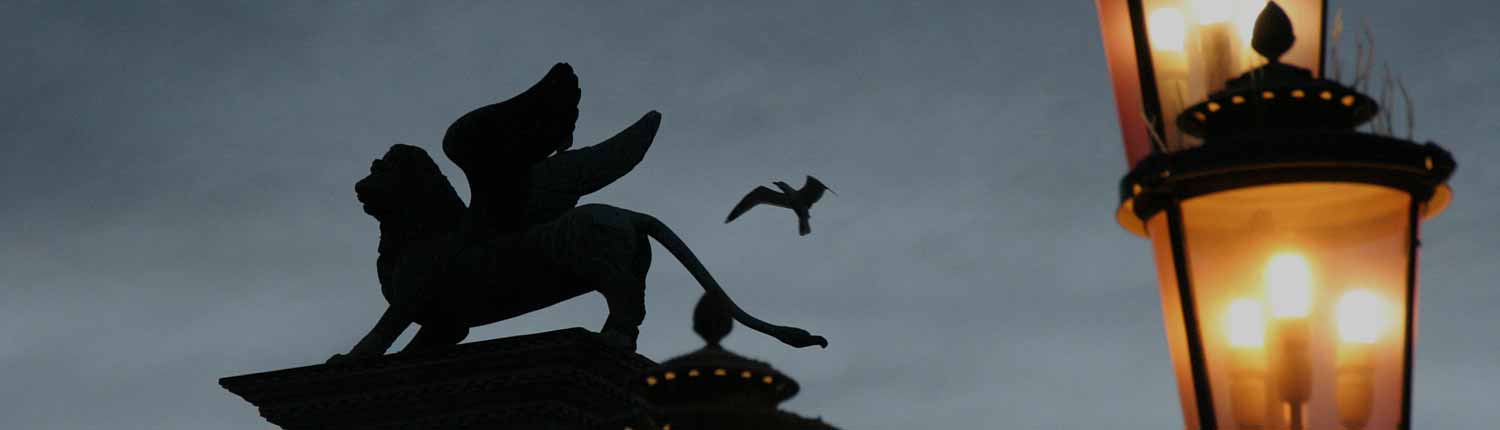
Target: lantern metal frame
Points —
{"points": [[1273, 137], [1161, 182]]}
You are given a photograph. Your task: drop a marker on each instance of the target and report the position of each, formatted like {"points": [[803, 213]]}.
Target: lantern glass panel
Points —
{"points": [[1198, 45], [1300, 293], [1172, 318], [1124, 73]]}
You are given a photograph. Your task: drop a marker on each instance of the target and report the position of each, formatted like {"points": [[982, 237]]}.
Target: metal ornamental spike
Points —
{"points": [[711, 319], [1273, 32]]}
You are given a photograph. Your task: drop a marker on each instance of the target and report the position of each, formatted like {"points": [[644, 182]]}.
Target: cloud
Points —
{"points": [[178, 183]]}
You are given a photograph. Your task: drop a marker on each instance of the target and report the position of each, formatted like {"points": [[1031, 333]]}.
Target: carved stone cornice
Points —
{"points": [[564, 379]]}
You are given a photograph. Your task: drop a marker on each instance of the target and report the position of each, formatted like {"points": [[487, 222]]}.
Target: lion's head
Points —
{"points": [[406, 187]]}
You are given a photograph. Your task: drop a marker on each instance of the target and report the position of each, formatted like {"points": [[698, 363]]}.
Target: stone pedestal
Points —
{"points": [[564, 379]]}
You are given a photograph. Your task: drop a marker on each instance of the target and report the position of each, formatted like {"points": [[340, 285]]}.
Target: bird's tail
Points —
{"points": [[802, 226], [793, 336]]}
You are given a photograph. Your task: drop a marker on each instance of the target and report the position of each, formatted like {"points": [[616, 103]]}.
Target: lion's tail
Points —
{"points": [[789, 335]]}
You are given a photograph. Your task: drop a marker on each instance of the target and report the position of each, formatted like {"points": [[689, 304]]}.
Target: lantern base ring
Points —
{"points": [[1268, 157]]}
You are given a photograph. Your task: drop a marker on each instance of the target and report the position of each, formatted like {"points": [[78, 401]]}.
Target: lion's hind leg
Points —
{"points": [[606, 253], [625, 293], [624, 290]]}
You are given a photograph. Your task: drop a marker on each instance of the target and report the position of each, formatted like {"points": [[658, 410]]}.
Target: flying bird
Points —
{"points": [[798, 201]]}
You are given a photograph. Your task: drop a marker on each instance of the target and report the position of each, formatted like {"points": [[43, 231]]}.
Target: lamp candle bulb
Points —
{"points": [[1248, 387], [1359, 325], [1168, 33], [1217, 37], [1289, 289]]}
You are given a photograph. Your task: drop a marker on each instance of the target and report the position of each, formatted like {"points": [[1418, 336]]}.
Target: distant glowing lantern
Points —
{"points": [[1285, 241], [1165, 54]]}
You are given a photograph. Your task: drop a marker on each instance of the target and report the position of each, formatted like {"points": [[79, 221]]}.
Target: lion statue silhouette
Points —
{"points": [[522, 243]]}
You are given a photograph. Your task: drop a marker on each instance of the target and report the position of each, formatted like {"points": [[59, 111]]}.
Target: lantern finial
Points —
{"points": [[711, 319], [1273, 32]]}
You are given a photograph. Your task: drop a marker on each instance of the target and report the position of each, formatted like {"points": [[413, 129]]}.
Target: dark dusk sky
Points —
{"points": [[176, 196]]}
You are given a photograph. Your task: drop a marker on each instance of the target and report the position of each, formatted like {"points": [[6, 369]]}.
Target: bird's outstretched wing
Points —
{"points": [[758, 196], [813, 189], [560, 180]]}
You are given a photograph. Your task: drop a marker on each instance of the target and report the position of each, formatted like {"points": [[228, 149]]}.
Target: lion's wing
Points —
{"points": [[522, 129], [496, 146], [559, 181]]}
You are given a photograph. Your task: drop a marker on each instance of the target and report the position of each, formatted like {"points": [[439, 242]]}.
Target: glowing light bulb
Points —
{"points": [[1167, 29], [1246, 327], [1359, 316], [1214, 11], [1289, 285]]}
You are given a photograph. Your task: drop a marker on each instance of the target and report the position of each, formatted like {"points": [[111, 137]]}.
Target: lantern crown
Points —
{"points": [[714, 374], [713, 388], [1278, 122], [1273, 33], [1276, 95], [712, 320]]}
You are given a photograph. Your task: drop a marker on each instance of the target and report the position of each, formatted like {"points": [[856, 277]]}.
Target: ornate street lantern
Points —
{"points": [[1166, 54], [1285, 241], [715, 389]]}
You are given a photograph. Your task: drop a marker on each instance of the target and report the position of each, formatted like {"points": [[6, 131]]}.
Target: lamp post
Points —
{"points": [[715, 389], [1285, 240]]}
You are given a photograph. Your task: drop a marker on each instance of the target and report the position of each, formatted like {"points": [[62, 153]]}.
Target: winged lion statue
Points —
{"points": [[522, 243]]}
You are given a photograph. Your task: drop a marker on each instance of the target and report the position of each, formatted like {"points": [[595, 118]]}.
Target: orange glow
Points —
{"points": [[1360, 316], [1167, 29], [1213, 11], [1292, 281], [1246, 326], [1245, 12], [1119, 50]]}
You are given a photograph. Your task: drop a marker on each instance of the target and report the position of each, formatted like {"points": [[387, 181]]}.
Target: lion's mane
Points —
{"points": [[414, 198]]}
